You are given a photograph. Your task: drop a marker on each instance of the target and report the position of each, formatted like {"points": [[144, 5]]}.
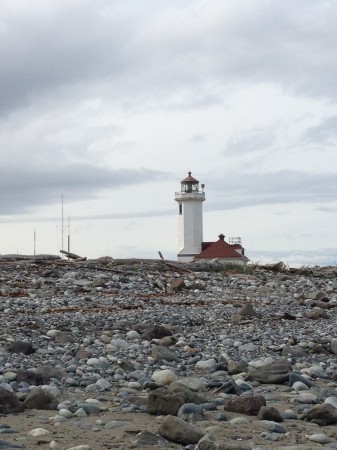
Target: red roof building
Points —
{"points": [[232, 253]]}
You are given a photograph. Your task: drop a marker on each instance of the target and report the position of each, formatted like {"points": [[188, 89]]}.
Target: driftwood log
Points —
{"points": [[73, 256]]}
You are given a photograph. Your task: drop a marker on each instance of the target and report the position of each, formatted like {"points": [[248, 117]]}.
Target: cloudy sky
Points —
{"points": [[110, 103]]}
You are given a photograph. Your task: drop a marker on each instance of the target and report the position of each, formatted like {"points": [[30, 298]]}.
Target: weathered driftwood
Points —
{"points": [[16, 257], [73, 256]]}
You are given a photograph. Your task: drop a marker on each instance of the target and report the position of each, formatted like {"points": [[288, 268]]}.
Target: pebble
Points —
{"points": [[320, 438]]}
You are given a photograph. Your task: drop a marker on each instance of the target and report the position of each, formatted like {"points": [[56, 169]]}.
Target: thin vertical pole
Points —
{"points": [[68, 235], [62, 227], [34, 241]]}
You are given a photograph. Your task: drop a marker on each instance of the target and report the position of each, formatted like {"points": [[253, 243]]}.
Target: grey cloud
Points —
{"points": [[26, 189], [322, 135], [128, 50], [287, 187], [256, 141]]}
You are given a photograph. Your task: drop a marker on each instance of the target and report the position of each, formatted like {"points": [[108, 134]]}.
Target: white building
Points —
{"points": [[189, 200]]}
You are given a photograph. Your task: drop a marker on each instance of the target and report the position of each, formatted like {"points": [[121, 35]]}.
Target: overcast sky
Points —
{"points": [[110, 103]]}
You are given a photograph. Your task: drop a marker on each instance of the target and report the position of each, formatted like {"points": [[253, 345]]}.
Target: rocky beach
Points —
{"points": [[120, 354]]}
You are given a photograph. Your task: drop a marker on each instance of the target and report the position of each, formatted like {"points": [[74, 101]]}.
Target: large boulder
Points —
{"points": [[156, 332], [40, 399], [276, 372], [22, 347], [163, 403], [246, 404], [324, 414], [177, 430], [9, 403]]}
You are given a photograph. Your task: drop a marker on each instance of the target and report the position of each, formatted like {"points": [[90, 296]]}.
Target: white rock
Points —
{"points": [[332, 401], [93, 362], [80, 447], [53, 333], [104, 383], [38, 432], [206, 364], [51, 388], [320, 438], [299, 386], [133, 334], [165, 376], [238, 421], [119, 343], [65, 413]]}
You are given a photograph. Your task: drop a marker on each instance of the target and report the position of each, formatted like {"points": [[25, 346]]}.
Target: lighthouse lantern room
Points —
{"points": [[189, 200]]}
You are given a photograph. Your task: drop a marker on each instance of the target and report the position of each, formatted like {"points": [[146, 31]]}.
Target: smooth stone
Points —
{"points": [[190, 408], [205, 364], [320, 438], [245, 404], [289, 414], [269, 413], [307, 398], [239, 421], [65, 413], [146, 438], [36, 432], [80, 413], [324, 413], [315, 372], [164, 377], [40, 399], [116, 424], [332, 401], [299, 386], [294, 377], [195, 384], [164, 403], [275, 427], [276, 372], [176, 430], [104, 383], [133, 334], [9, 402], [161, 352], [80, 447]]}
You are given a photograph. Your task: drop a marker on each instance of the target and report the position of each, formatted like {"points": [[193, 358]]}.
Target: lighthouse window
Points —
{"points": [[180, 208]]}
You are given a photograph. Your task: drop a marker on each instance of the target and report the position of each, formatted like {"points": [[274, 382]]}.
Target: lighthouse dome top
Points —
{"points": [[189, 179]]}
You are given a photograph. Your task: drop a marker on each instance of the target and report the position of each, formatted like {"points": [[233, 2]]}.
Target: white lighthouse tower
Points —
{"points": [[190, 200]]}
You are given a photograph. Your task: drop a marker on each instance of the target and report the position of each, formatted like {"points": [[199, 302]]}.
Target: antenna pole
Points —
{"points": [[68, 234], [34, 241], [62, 226]]}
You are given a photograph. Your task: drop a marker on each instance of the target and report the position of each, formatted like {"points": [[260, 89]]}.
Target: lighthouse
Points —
{"points": [[189, 200]]}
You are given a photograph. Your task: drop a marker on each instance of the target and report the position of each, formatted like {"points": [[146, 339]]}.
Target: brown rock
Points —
{"points": [[156, 332], [324, 413], [63, 338], [9, 403], [235, 367], [159, 402], [247, 310], [31, 378], [177, 430], [40, 399], [176, 285], [159, 352], [269, 413], [246, 404]]}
